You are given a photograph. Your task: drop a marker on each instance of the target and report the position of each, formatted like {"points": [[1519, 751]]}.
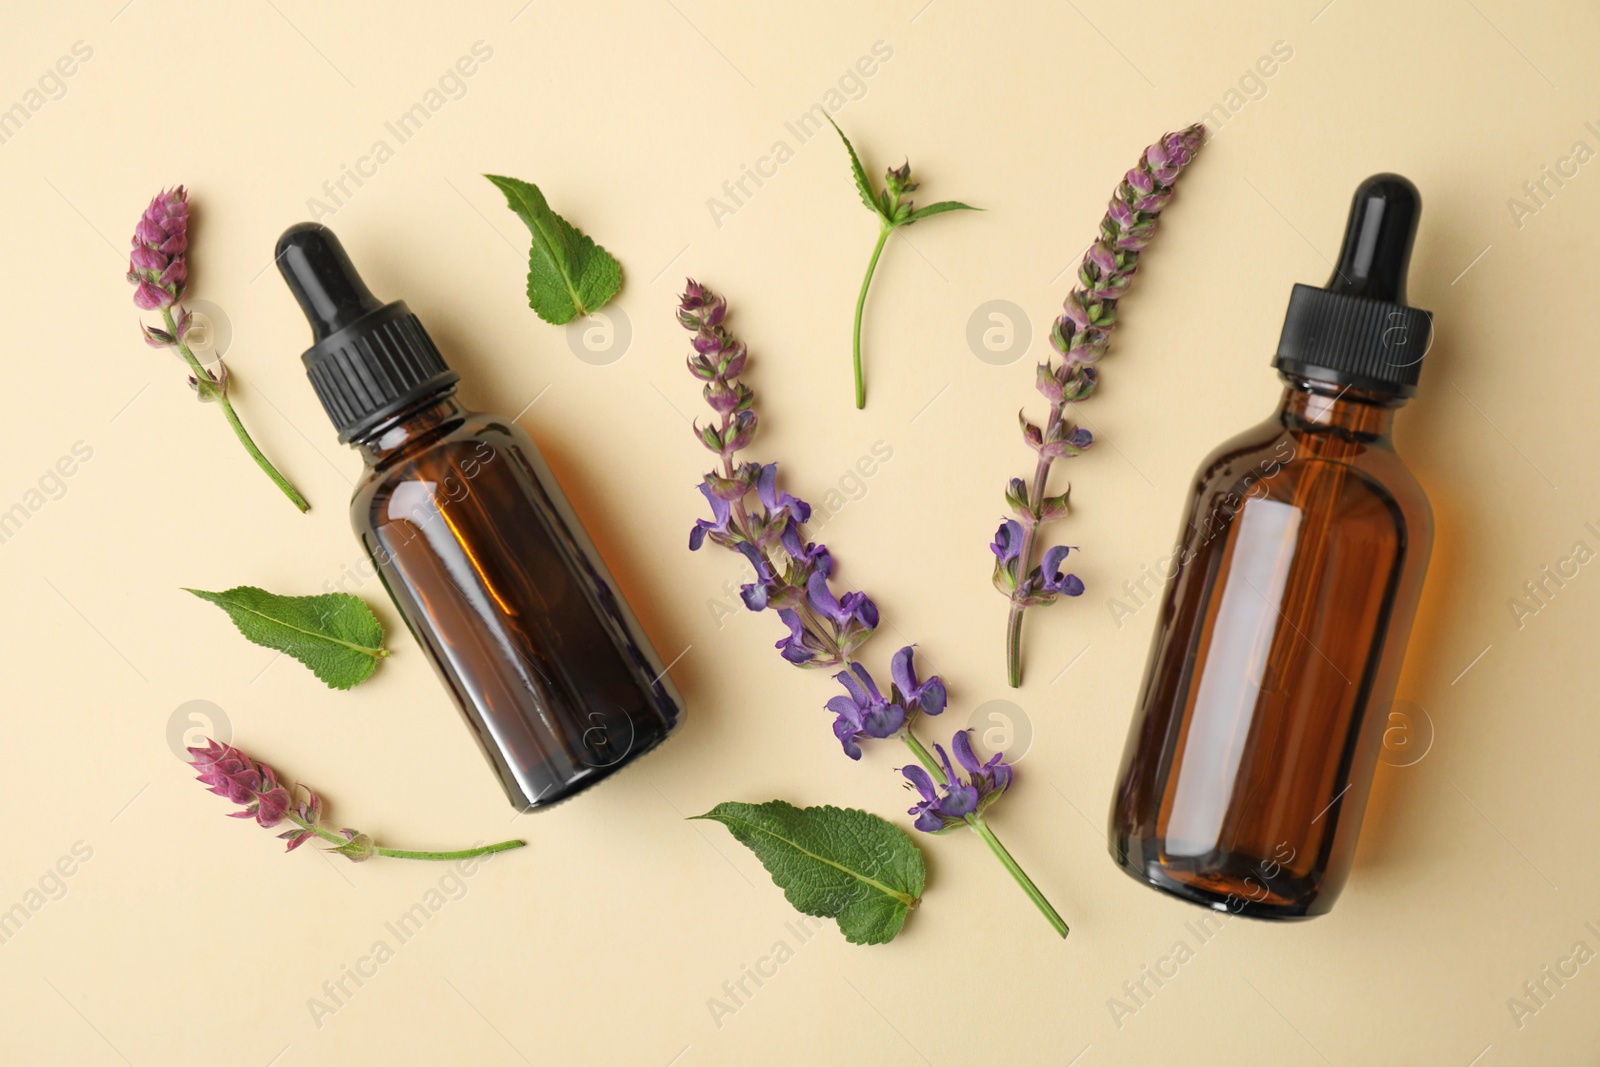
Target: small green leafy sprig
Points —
{"points": [[569, 276], [894, 210], [335, 634]]}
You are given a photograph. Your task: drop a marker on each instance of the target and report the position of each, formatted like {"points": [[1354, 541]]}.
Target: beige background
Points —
{"points": [[188, 938]]}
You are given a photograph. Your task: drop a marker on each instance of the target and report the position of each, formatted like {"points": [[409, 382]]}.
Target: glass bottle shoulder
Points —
{"points": [[447, 457], [1292, 461]]}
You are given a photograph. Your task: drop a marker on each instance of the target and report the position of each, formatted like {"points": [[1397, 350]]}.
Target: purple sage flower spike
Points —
{"points": [[253, 785], [158, 269], [256, 789], [1081, 337], [753, 515], [157, 265]]}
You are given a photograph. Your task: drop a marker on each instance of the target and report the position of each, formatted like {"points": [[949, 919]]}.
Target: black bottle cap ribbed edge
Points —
{"points": [[1358, 330], [369, 360]]}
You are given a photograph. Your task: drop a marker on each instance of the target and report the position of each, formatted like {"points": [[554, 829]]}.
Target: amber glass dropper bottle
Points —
{"points": [[1279, 642], [478, 547]]}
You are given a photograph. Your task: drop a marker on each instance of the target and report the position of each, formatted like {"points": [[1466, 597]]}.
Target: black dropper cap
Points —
{"points": [[1358, 330], [369, 360]]}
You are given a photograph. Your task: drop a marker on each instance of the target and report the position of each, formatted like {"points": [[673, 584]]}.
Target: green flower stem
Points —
{"points": [[202, 380], [1014, 645], [408, 854], [1041, 475], [982, 829], [459, 854], [917, 749], [1021, 876], [861, 304]]}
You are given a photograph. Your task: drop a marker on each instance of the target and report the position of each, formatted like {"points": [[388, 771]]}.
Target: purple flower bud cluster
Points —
{"points": [[158, 266], [253, 785], [1081, 335], [944, 807], [751, 515], [1083, 331]]}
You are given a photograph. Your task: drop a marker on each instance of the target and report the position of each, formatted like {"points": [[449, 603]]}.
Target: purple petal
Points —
{"points": [[793, 647], [767, 487], [846, 733], [962, 744], [873, 696], [944, 761], [845, 708], [1007, 544], [883, 720], [860, 607], [959, 800], [922, 781], [822, 598], [858, 695], [902, 673], [150, 297]]}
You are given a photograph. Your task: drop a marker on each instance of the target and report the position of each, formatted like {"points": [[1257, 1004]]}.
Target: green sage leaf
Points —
{"points": [[568, 274], [839, 863], [863, 187], [335, 634]]}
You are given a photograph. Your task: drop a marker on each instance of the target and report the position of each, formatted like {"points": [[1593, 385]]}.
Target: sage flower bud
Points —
{"points": [[157, 265]]}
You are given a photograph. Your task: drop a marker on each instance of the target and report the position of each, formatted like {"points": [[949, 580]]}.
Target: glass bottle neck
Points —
{"points": [[427, 418], [1311, 405]]}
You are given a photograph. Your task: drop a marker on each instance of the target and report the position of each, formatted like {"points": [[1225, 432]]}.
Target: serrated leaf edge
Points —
{"points": [[938, 209], [863, 186]]}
